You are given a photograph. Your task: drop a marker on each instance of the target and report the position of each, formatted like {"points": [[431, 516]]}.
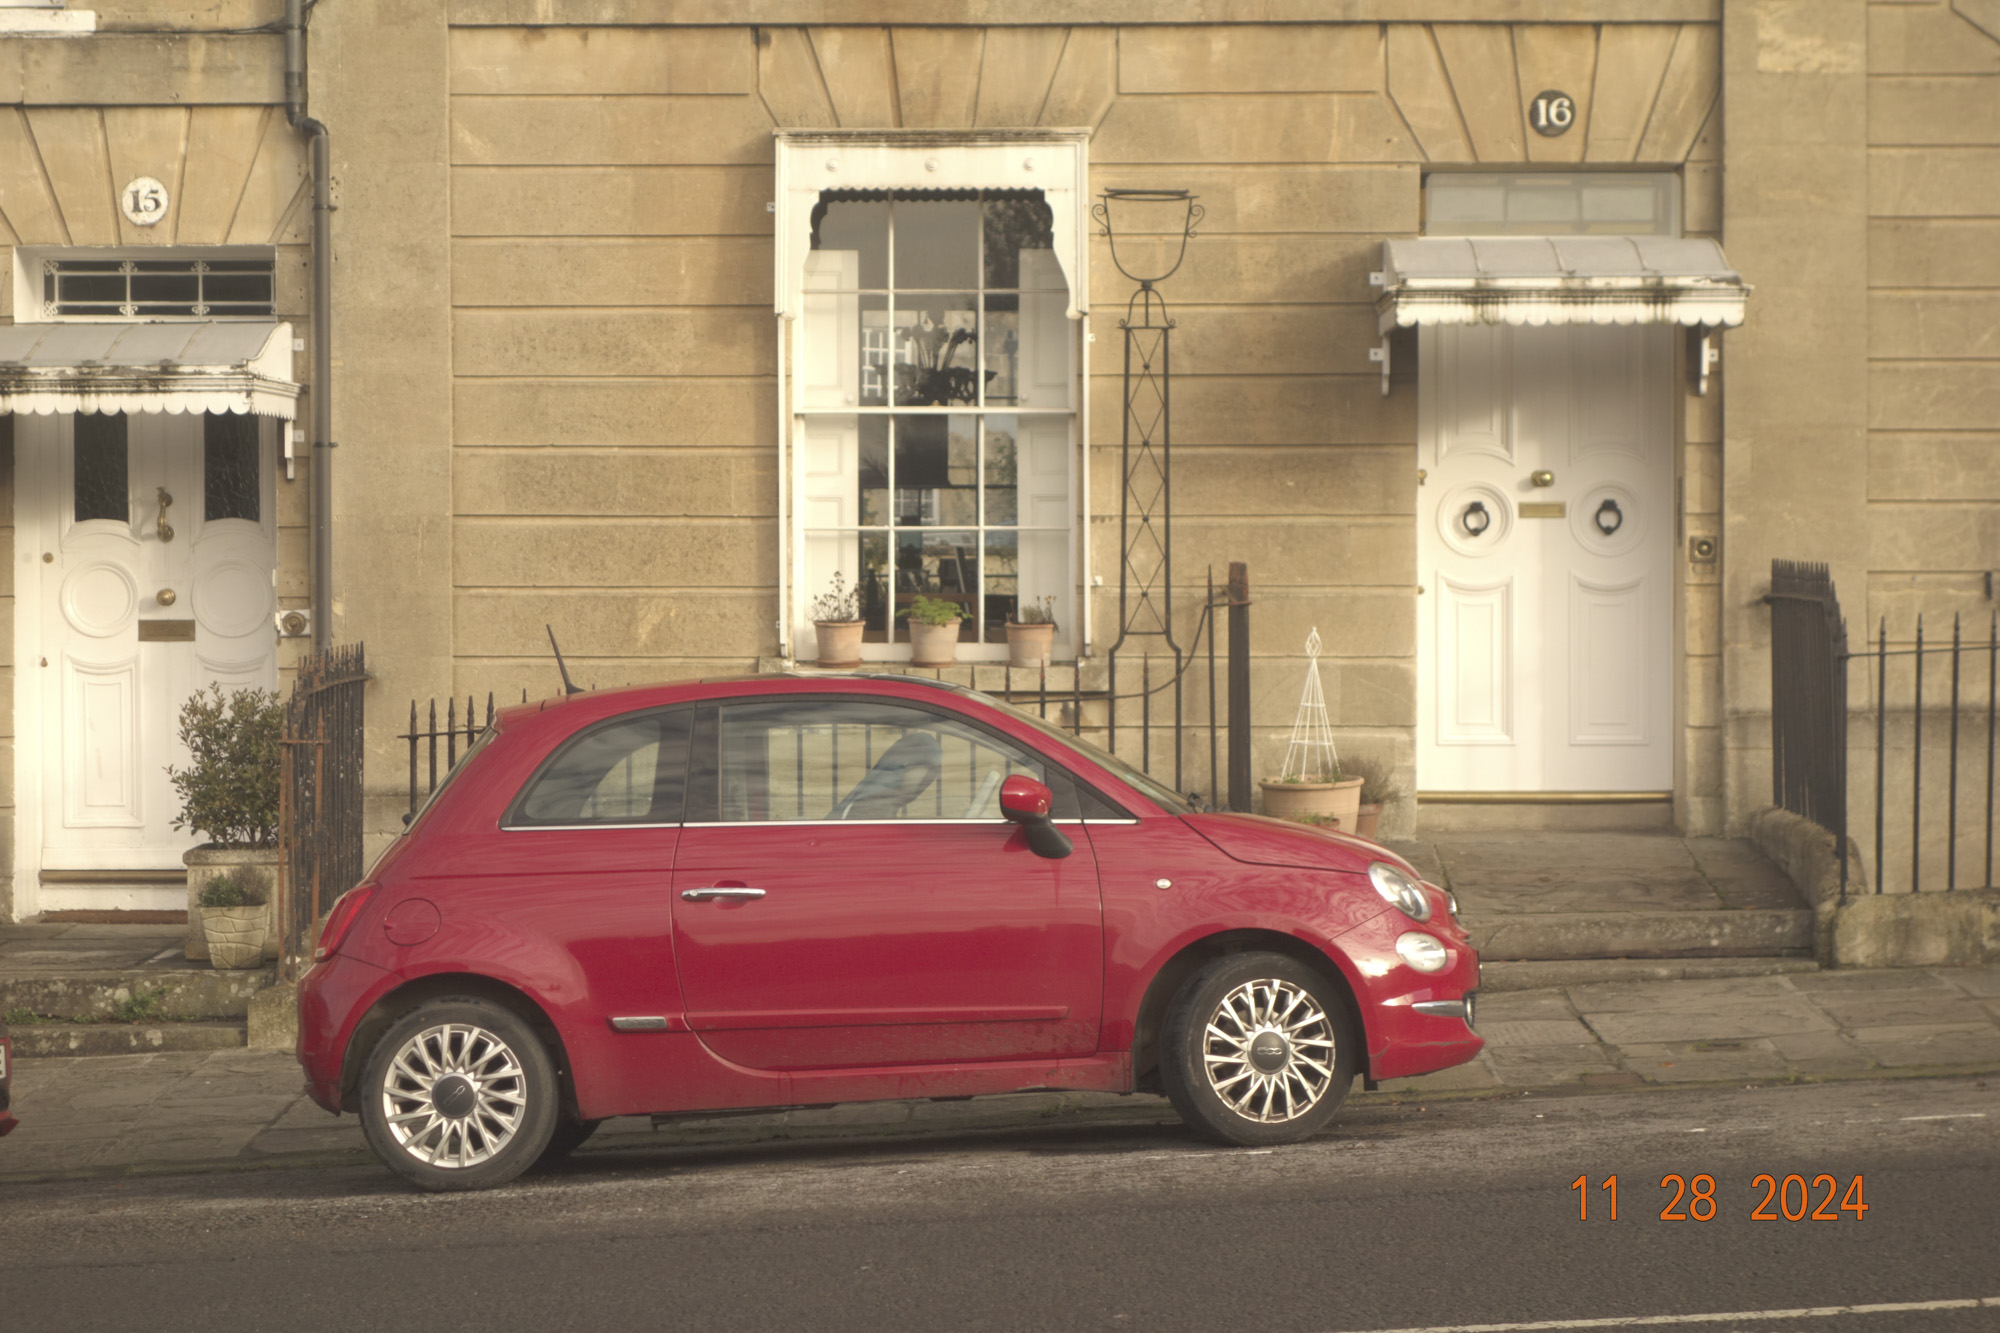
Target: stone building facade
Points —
{"points": [[603, 364]]}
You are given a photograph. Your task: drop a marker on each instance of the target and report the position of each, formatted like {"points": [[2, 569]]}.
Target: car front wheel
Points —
{"points": [[1258, 1049], [459, 1094]]}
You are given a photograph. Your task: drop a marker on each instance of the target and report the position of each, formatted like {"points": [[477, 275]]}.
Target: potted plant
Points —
{"points": [[1031, 634], [934, 631], [1312, 781], [837, 623], [233, 910], [1378, 788], [229, 792]]}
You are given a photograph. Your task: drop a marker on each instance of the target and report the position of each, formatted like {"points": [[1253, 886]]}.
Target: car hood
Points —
{"points": [[1257, 840]]}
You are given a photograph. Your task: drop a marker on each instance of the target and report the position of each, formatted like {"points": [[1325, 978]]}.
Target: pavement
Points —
{"points": [[240, 1109]]}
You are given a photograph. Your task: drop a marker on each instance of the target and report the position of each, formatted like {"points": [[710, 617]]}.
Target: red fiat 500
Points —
{"points": [[783, 891]]}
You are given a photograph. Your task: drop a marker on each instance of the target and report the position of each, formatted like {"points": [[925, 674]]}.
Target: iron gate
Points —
{"points": [[320, 802]]}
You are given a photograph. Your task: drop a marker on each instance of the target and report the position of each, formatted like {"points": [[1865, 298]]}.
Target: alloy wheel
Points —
{"points": [[1268, 1049], [454, 1095]]}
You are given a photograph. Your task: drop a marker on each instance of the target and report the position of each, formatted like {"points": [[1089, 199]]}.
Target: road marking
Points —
{"points": [[1637, 1321], [1958, 1115]]}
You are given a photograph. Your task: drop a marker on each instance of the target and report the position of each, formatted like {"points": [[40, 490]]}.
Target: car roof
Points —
{"points": [[606, 702]]}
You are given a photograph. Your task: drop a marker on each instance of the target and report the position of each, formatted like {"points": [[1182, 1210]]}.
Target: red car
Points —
{"points": [[794, 891]]}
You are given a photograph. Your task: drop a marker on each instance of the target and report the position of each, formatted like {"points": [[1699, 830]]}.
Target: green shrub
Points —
{"points": [[238, 886], [936, 611], [229, 790]]}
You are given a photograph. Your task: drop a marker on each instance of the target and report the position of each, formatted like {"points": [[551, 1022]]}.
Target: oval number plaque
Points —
{"points": [[1552, 113]]}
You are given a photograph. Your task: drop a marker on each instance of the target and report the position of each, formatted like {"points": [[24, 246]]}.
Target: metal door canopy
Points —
{"points": [[241, 366], [1557, 280]]}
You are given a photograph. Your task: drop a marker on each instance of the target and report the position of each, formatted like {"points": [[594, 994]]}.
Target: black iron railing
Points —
{"points": [[320, 801], [1917, 730], [1095, 714]]}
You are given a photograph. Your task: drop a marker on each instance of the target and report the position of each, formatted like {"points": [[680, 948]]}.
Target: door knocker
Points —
{"points": [[166, 529], [1475, 520], [1609, 517]]}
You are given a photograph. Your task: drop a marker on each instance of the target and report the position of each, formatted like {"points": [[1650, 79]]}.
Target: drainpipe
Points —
{"points": [[322, 325]]}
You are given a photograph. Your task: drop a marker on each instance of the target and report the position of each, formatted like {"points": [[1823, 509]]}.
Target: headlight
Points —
{"points": [[1400, 891], [1422, 952]]}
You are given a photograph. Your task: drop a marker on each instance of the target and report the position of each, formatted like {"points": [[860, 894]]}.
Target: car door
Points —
{"points": [[848, 895]]}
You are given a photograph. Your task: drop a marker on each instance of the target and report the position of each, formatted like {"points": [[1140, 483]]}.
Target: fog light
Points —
{"points": [[1422, 952]]}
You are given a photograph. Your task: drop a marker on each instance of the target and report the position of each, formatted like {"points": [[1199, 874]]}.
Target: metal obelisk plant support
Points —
{"points": [[1309, 755], [1145, 509]]}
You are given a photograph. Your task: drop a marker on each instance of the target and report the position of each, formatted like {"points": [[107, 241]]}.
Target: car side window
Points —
{"points": [[821, 759], [629, 770]]}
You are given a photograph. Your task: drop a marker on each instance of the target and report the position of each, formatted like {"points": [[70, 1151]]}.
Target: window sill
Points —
{"points": [[39, 22]]}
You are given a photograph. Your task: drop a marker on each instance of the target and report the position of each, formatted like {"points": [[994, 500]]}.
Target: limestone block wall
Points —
{"points": [[1933, 430], [613, 367], [202, 113]]}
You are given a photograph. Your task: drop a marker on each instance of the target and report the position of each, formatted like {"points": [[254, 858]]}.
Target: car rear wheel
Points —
{"points": [[1258, 1049], [459, 1094]]}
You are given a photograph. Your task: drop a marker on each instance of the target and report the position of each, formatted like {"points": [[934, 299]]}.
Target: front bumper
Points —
{"points": [[1418, 1022]]}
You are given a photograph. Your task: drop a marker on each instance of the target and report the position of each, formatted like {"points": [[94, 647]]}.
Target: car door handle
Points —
{"points": [[699, 895]]}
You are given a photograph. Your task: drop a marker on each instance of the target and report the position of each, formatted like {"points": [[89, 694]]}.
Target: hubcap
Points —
{"points": [[454, 1095], [1268, 1049]]}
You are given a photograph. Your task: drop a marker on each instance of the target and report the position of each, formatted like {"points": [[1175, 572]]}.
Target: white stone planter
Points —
{"points": [[235, 935], [203, 864], [1340, 801]]}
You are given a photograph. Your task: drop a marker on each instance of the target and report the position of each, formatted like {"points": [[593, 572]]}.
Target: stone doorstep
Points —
{"points": [[1609, 935], [1503, 975], [178, 994], [67, 1039]]}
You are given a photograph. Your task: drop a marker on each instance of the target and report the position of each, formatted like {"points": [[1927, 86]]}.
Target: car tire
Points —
{"points": [[459, 1094], [1258, 1049], [570, 1134]]}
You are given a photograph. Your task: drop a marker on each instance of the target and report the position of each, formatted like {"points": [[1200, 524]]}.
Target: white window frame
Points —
{"points": [[810, 161]]}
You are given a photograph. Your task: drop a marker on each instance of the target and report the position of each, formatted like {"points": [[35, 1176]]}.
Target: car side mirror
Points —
{"points": [[1026, 802]]}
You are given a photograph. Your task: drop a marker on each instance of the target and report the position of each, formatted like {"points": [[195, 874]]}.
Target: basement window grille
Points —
{"points": [[159, 288]]}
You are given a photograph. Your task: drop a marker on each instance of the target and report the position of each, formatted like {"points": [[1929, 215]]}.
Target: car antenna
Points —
{"points": [[569, 686]]}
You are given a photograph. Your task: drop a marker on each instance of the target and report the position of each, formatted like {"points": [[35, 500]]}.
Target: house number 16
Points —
{"points": [[1552, 112]]}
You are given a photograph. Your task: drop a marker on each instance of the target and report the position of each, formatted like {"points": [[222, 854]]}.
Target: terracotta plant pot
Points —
{"points": [[235, 935], [1366, 820], [839, 643], [1340, 801], [933, 645], [207, 861], [1030, 645]]}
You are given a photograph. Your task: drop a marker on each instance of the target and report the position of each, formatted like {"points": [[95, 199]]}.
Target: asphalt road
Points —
{"points": [[1401, 1217]]}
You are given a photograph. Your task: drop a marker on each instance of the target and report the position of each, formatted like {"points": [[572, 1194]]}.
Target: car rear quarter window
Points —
{"points": [[627, 770]]}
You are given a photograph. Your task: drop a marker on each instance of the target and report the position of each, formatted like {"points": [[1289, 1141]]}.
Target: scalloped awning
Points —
{"points": [[241, 366], [1557, 280]]}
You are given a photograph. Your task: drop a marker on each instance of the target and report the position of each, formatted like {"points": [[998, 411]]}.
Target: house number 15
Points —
{"points": [[1552, 112]]}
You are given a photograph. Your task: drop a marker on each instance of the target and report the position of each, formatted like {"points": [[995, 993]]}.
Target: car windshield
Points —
{"points": [[1160, 794]]}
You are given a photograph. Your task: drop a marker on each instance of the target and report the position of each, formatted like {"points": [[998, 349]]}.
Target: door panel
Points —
{"points": [[1544, 633], [144, 598], [873, 907]]}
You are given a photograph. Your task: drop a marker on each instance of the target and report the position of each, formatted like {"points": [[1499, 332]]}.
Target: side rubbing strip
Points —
{"points": [[638, 1025]]}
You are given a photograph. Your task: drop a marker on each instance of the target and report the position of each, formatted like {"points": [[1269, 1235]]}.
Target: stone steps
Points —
{"points": [[32, 1040], [1538, 937], [1550, 973], [151, 994]]}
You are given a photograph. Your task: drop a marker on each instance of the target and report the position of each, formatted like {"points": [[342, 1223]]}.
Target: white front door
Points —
{"points": [[153, 542], [1545, 544]]}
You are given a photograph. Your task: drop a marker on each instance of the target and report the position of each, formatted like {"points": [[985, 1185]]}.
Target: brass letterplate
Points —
{"points": [[1540, 510], [166, 631]]}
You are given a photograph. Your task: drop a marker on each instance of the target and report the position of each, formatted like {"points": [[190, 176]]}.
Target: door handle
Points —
{"points": [[700, 895]]}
